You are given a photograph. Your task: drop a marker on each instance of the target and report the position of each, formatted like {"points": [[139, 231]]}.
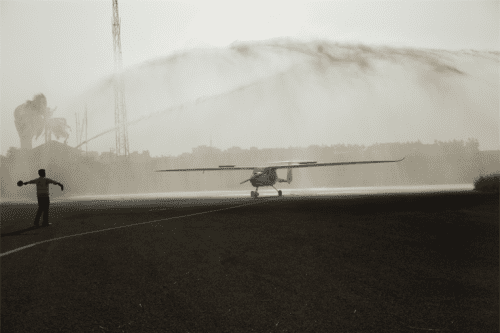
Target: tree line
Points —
{"points": [[450, 162]]}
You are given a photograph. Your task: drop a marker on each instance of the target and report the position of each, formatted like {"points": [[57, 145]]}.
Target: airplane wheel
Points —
{"points": [[256, 194], [279, 193], [252, 194]]}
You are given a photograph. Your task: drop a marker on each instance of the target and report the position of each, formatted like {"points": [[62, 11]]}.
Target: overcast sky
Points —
{"points": [[61, 48]]}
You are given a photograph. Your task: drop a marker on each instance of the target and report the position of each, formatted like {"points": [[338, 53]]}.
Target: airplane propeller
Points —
{"points": [[255, 175], [250, 178]]}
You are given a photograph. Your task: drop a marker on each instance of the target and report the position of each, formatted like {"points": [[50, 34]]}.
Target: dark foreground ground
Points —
{"points": [[394, 263]]}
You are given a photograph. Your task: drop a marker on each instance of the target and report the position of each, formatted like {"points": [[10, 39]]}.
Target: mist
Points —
{"points": [[283, 93], [259, 102]]}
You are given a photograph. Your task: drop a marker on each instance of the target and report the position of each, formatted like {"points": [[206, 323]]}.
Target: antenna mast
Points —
{"points": [[120, 110], [79, 130], [86, 127]]}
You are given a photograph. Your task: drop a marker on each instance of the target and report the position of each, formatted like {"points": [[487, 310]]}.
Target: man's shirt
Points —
{"points": [[42, 186]]}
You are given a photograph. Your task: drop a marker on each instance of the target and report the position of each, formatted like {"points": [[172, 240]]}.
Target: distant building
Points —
{"points": [[143, 157], [234, 150], [107, 157], [204, 150], [53, 152], [93, 154], [134, 155]]}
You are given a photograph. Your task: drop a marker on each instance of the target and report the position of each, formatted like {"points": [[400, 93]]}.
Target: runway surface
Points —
{"points": [[264, 192], [315, 260]]}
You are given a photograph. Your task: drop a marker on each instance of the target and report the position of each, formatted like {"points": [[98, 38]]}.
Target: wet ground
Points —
{"points": [[341, 262], [263, 191]]}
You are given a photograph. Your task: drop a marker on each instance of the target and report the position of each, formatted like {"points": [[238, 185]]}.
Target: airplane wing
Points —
{"points": [[314, 164], [300, 165], [220, 168]]}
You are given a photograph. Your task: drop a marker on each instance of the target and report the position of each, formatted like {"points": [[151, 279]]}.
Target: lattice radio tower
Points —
{"points": [[81, 128], [120, 109]]}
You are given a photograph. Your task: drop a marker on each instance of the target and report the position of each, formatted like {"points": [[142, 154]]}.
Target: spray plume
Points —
{"points": [[302, 93]]}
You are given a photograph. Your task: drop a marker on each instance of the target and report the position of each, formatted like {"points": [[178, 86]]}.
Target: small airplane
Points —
{"points": [[267, 176]]}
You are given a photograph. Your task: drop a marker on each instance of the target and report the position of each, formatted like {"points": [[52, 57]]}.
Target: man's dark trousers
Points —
{"points": [[43, 206]]}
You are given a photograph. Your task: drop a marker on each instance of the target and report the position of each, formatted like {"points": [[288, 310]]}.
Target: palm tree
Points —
{"points": [[33, 117], [56, 126], [29, 120]]}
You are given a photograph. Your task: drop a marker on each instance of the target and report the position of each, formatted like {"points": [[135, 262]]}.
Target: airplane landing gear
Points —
{"points": [[279, 192], [255, 194]]}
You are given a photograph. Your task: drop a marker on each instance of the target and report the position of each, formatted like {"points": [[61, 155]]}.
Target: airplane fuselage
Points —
{"points": [[264, 177]]}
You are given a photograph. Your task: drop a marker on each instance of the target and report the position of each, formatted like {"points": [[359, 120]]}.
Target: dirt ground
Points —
{"points": [[369, 263]]}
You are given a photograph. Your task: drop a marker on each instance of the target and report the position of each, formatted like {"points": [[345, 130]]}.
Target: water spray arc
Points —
{"points": [[182, 106], [122, 144], [334, 79]]}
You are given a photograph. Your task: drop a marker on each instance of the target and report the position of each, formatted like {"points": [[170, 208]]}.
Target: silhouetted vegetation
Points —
{"points": [[489, 183], [451, 162]]}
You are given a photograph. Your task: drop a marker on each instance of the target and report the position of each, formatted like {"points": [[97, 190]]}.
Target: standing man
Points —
{"points": [[42, 193]]}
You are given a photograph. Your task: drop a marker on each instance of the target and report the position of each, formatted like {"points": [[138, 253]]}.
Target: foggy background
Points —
{"points": [[254, 83], [295, 94]]}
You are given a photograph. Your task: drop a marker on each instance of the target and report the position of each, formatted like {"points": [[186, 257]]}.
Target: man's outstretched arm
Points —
{"points": [[57, 183], [31, 182]]}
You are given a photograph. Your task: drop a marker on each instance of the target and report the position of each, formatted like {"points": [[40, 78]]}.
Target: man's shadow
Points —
{"points": [[19, 232]]}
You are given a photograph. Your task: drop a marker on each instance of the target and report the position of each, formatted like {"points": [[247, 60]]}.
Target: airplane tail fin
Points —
{"points": [[288, 176]]}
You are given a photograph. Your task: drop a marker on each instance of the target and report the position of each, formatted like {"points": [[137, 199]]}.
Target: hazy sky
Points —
{"points": [[61, 48]]}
